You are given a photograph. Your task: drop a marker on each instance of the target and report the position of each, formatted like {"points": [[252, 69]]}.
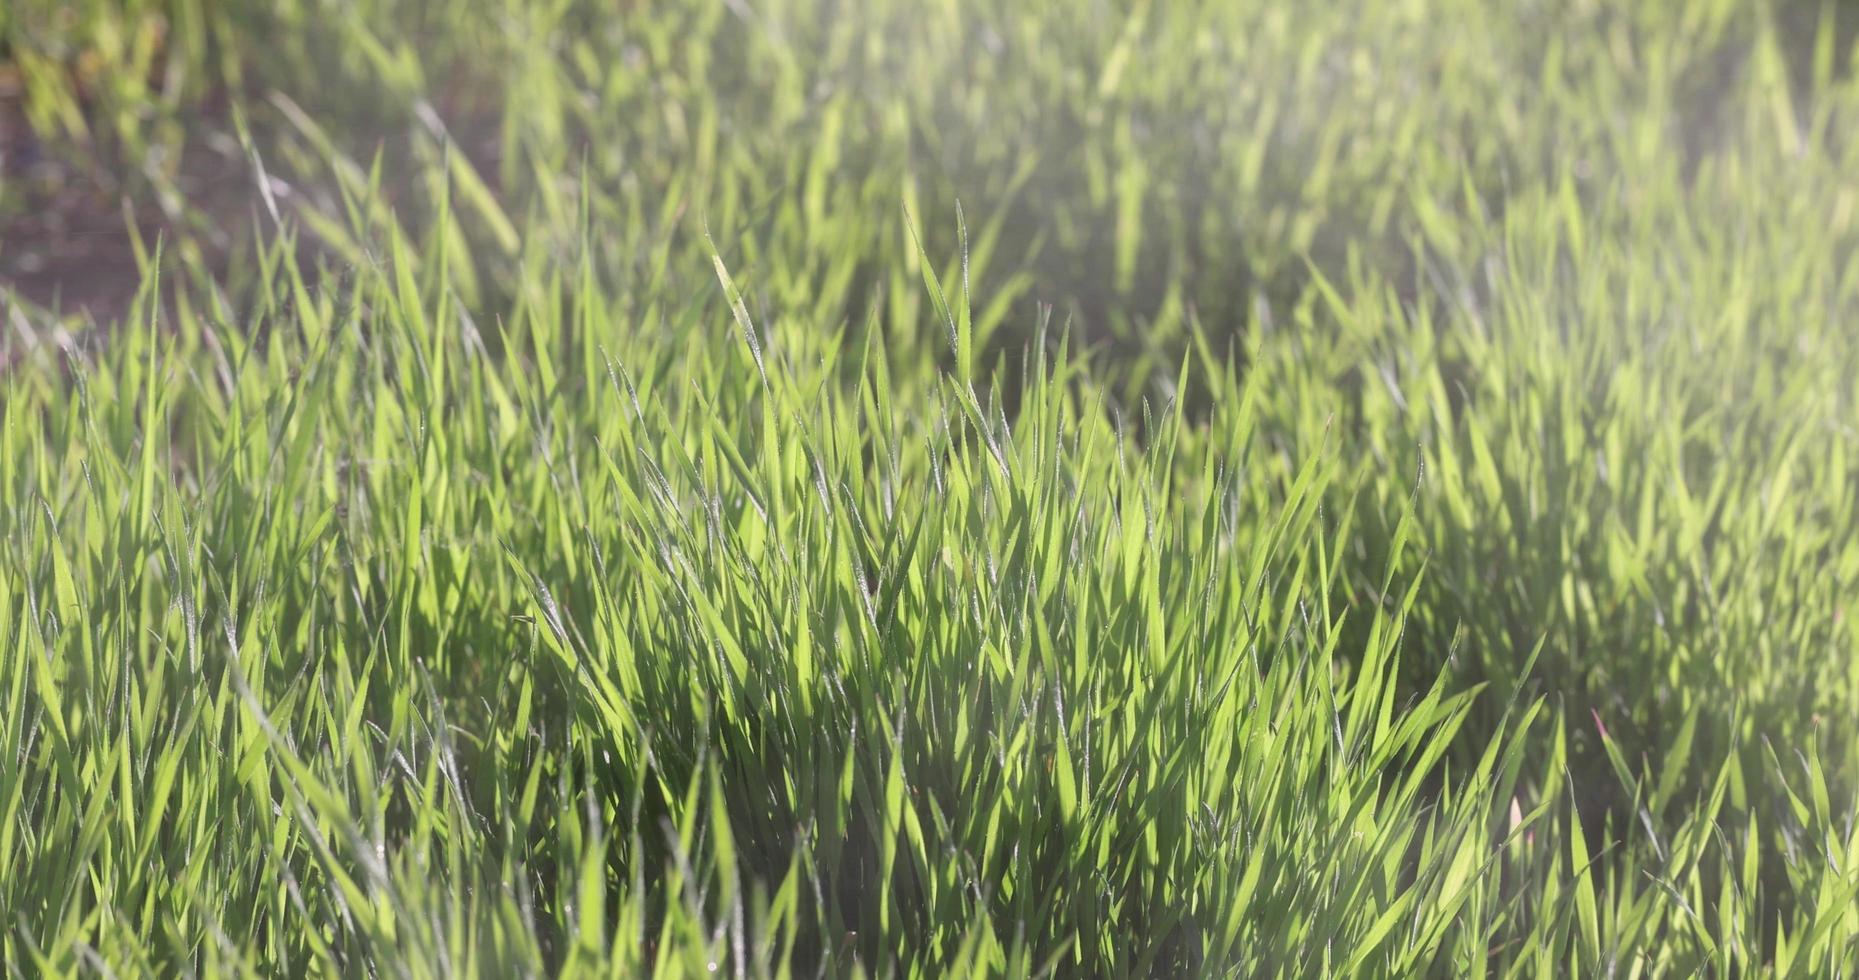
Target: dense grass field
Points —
{"points": [[797, 487]]}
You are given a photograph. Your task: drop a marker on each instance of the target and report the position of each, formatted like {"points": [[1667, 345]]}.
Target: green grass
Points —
{"points": [[791, 488]]}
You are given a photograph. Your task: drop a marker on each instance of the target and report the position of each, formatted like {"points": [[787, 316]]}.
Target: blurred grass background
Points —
{"points": [[1142, 165]]}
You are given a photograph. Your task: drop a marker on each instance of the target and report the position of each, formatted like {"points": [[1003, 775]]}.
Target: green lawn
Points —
{"points": [[796, 487]]}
